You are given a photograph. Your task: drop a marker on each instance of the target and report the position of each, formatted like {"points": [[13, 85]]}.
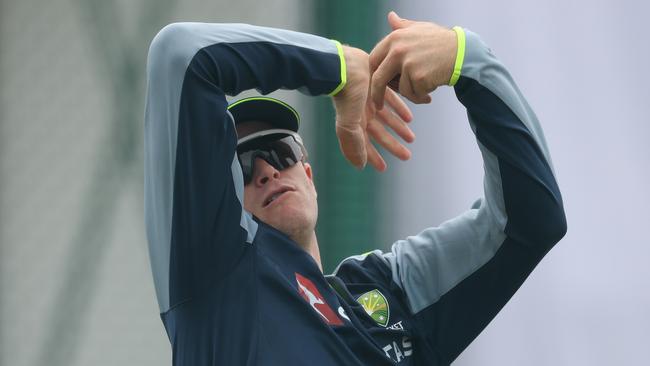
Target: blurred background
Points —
{"points": [[75, 283]]}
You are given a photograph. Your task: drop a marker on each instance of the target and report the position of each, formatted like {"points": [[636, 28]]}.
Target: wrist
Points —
{"points": [[460, 55], [357, 72], [342, 68]]}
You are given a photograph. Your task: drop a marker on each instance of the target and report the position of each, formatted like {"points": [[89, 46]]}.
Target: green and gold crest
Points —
{"points": [[376, 306]]}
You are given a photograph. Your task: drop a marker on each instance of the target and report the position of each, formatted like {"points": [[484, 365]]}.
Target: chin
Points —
{"points": [[292, 220]]}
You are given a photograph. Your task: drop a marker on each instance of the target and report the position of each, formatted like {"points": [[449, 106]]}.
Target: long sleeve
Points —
{"points": [[197, 228], [458, 276]]}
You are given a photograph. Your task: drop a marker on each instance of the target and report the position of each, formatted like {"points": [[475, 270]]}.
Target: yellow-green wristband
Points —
{"points": [[460, 55], [344, 72]]}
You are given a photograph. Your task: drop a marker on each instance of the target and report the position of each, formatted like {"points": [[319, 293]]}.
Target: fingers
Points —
{"points": [[380, 78], [355, 139], [393, 20], [381, 49], [379, 134], [352, 141], [384, 68], [409, 90], [396, 22], [387, 65], [378, 53], [398, 105], [406, 88], [396, 124], [422, 85], [374, 158]]}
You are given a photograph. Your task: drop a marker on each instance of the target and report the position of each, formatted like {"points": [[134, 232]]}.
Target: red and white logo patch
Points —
{"points": [[310, 293]]}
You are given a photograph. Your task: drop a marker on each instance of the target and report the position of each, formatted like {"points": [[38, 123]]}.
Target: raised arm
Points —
{"points": [[196, 227], [459, 275]]}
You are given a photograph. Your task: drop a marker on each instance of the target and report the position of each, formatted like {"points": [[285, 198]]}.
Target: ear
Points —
{"points": [[308, 171], [310, 175]]}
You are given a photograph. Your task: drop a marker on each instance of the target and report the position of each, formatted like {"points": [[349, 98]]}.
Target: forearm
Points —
{"points": [[238, 57], [519, 179], [459, 275]]}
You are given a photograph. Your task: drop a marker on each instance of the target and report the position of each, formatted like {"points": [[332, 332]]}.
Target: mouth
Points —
{"points": [[275, 195]]}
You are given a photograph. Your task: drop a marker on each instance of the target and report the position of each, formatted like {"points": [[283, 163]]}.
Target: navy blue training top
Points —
{"points": [[234, 291]]}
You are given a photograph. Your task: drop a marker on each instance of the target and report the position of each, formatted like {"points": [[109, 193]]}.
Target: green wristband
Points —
{"points": [[344, 72], [460, 55]]}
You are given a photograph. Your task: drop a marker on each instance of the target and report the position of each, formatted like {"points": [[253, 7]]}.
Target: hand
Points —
{"points": [[357, 121], [416, 56]]}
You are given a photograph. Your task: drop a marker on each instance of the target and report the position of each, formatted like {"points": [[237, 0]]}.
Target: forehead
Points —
{"points": [[246, 128]]}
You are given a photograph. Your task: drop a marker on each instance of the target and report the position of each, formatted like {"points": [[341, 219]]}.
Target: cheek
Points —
{"points": [[311, 197], [312, 192]]}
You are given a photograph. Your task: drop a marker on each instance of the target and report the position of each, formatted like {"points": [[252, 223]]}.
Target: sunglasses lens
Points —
{"points": [[285, 152], [279, 153], [246, 161]]}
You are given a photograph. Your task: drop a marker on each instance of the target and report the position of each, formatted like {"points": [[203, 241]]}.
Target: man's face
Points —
{"points": [[284, 199]]}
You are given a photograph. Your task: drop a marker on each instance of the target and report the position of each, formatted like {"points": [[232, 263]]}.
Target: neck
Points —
{"points": [[309, 243]]}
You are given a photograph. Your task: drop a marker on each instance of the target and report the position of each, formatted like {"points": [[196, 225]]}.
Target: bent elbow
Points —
{"points": [[541, 229], [555, 227], [168, 48]]}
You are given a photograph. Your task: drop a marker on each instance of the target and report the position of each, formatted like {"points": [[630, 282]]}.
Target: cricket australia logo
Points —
{"points": [[376, 305]]}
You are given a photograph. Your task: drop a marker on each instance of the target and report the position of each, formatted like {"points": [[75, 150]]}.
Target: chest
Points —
{"points": [[324, 318]]}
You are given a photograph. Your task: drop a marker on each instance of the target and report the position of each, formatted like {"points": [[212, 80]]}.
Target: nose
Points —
{"points": [[264, 172]]}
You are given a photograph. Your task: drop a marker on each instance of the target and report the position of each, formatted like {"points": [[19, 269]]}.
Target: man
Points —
{"points": [[231, 207]]}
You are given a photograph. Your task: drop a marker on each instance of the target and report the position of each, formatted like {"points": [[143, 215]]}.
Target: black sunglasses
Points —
{"points": [[280, 151]]}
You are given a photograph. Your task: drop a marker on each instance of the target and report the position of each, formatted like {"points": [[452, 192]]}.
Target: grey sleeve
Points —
{"points": [[457, 276], [196, 226]]}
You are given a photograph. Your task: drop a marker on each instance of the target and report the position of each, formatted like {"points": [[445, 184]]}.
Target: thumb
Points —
{"points": [[396, 22]]}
